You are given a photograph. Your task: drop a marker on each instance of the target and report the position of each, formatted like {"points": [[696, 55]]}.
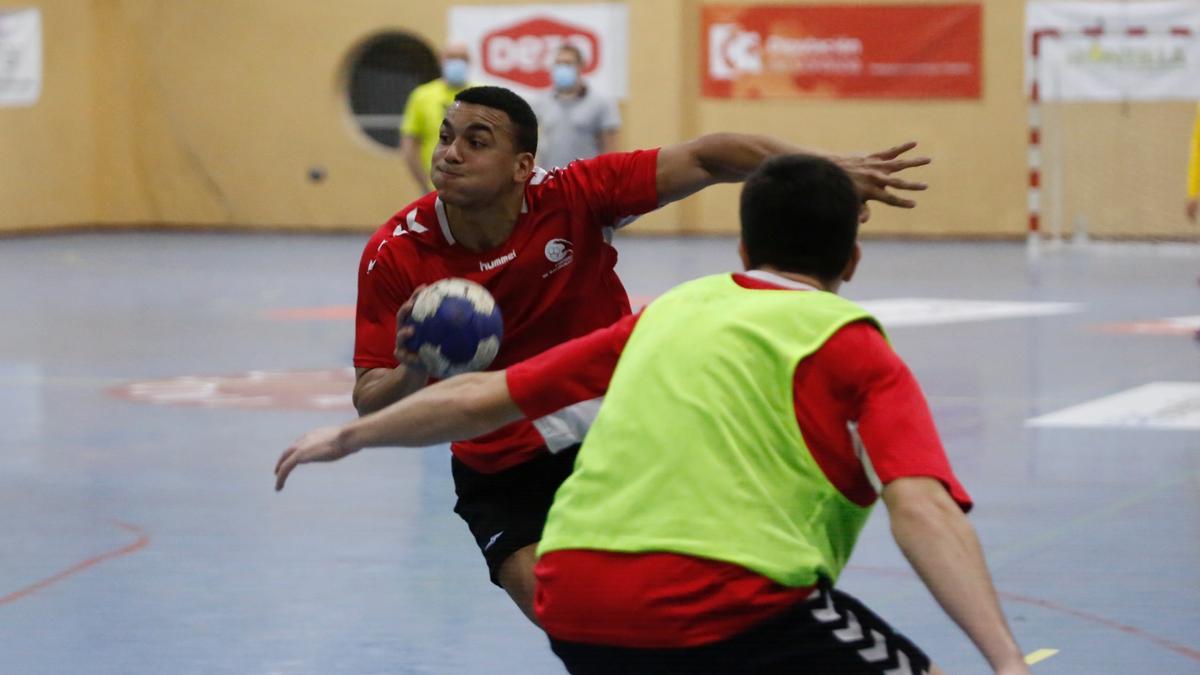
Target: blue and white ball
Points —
{"points": [[458, 327]]}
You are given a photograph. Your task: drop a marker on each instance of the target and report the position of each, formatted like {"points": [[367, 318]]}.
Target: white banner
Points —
{"points": [[1160, 62], [20, 57], [513, 45]]}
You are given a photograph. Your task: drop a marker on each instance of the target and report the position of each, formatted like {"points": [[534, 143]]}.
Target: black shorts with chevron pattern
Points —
{"points": [[830, 632]]}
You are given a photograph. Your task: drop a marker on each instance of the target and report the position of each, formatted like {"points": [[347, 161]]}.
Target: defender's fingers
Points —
{"points": [[891, 199], [283, 458], [894, 151], [902, 184], [282, 475], [892, 165]]}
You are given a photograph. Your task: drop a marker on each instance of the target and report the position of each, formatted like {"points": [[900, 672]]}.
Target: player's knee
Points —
{"points": [[517, 579]]}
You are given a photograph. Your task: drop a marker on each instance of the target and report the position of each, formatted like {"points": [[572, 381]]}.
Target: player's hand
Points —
{"points": [[875, 174], [404, 332], [321, 445], [1192, 209]]}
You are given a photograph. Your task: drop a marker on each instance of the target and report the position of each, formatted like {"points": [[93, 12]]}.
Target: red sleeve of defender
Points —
{"points": [[615, 185], [894, 421], [381, 291], [574, 371]]}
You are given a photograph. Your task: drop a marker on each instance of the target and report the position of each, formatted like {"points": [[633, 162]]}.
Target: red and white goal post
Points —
{"points": [[1110, 107]]}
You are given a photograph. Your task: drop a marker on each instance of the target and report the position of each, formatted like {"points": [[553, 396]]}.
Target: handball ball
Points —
{"points": [[457, 327]]}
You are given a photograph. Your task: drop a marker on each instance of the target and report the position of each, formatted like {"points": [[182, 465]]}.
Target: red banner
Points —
{"points": [[842, 51]]}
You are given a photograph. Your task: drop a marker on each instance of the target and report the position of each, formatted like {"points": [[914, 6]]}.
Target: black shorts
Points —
{"points": [[507, 510], [830, 632]]}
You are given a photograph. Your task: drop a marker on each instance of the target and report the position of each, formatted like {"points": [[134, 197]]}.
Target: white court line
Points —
{"points": [[893, 312], [1157, 405]]}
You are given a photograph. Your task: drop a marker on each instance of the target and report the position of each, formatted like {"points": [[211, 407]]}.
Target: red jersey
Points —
{"points": [[661, 599], [553, 278]]}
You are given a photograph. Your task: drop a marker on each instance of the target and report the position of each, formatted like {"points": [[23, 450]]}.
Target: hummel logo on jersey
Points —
{"points": [[485, 266], [412, 225]]}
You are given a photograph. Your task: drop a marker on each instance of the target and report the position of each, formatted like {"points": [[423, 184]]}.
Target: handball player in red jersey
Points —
{"points": [[539, 242]]}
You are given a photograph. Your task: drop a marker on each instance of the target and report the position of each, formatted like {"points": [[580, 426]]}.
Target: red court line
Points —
{"points": [[142, 540], [1046, 604], [1193, 654]]}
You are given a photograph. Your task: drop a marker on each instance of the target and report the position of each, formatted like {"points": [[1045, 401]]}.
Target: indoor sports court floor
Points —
{"points": [[149, 381]]}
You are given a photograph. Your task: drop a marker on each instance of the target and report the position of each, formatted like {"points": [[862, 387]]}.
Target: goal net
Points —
{"points": [[1113, 91]]}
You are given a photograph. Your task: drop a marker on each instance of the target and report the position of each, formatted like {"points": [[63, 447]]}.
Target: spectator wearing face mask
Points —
{"points": [[425, 109], [575, 122]]}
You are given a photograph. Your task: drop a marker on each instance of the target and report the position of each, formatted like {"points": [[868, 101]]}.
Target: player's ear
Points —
{"points": [[523, 168], [742, 254], [852, 264]]}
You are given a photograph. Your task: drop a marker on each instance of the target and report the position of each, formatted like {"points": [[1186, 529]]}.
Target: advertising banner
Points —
{"points": [[842, 51], [20, 57], [1098, 51], [513, 45]]}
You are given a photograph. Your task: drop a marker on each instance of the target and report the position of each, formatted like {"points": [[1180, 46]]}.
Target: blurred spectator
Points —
{"points": [[425, 109], [576, 122], [1193, 184]]}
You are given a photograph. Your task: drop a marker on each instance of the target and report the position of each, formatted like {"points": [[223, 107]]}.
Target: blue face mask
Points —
{"points": [[564, 76], [454, 72]]}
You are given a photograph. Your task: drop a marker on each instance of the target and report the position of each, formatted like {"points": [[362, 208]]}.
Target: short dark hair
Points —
{"points": [[800, 214], [568, 47], [519, 113]]}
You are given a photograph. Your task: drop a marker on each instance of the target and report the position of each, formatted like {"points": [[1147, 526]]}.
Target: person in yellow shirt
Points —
{"points": [[425, 109], [1193, 184]]}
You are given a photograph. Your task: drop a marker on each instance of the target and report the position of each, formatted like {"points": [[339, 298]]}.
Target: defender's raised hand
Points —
{"points": [[875, 173]]}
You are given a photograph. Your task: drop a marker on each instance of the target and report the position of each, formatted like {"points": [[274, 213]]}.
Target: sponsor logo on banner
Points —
{"points": [[514, 45], [842, 51], [524, 52]]}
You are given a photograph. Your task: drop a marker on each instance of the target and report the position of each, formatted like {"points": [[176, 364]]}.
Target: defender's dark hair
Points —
{"points": [[800, 214], [523, 119]]}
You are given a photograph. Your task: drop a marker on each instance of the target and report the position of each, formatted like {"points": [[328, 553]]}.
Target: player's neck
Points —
{"points": [[801, 278], [483, 228]]}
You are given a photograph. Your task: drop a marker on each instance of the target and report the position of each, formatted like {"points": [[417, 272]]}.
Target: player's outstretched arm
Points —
{"points": [[729, 158], [941, 545], [461, 407]]}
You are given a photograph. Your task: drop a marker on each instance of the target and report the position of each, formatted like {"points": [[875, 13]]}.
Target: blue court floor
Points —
{"points": [[149, 381]]}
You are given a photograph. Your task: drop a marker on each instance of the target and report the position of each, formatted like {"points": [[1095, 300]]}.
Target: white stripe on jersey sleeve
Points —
{"points": [[566, 427], [861, 451], [440, 209]]}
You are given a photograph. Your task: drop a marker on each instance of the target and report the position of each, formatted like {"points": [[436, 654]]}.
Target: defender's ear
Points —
{"points": [[852, 264]]}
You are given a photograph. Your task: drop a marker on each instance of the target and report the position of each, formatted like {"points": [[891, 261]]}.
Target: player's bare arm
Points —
{"points": [[728, 158], [941, 545], [461, 407], [376, 388]]}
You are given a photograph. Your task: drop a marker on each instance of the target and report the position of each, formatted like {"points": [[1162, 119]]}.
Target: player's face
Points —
{"points": [[476, 161]]}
